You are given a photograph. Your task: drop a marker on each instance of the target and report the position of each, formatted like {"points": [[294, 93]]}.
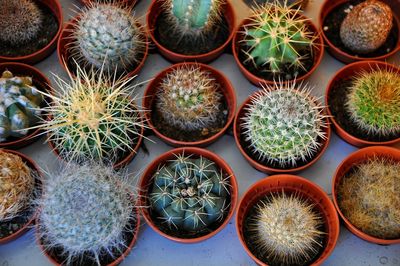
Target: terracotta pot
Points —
{"points": [[156, 9], [290, 184], [345, 73], [226, 88], [348, 163], [42, 83], [65, 42], [318, 52], [343, 56], [55, 7], [237, 131], [130, 3], [32, 165], [146, 182]]}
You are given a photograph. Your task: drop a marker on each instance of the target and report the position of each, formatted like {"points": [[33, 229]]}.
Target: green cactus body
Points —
{"points": [[190, 194], [19, 105]]}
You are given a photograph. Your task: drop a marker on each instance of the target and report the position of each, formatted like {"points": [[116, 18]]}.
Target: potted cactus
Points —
{"points": [[357, 30], [29, 29], [363, 103], [277, 43], [197, 30], [88, 216], [20, 186], [301, 3], [287, 220], [123, 2], [282, 128], [189, 104], [365, 193], [191, 193]]}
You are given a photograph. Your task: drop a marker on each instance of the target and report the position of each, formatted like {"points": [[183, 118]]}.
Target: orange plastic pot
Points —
{"points": [[146, 182], [226, 88], [356, 158], [348, 72], [156, 9], [290, 184], [130, 3], [55, 7], [328, 6], [42, 83]]}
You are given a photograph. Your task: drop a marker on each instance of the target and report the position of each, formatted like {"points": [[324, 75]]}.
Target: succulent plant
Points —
{"points": [[367, 26], [189, 193], [302, 3], [277, 37], [284, 124], [287, 229], [86, 211], [189, 98], [373, 102], [369, 197], [17, 185], [20, 20], [19, 105]]}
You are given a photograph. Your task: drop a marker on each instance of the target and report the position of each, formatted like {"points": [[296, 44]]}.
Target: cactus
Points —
{"points": [[189, 98], [373, 102], [367, 26], [19, 105], [302, 3], [277, 36], [284, 124], [86, 211], [190, 193], [20, 20], [17, 186], [287, 229], [369, 197]]}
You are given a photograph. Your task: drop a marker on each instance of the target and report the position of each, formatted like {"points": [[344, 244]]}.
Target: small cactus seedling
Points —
{"points": [[287, 229], [284, 124], [19, 105], [373, 102], [189, 98], [190, 194], [367, 26], [20, 20], [86, 211], [17, 186]]}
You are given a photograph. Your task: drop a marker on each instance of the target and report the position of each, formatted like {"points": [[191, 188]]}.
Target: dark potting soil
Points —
{"points": [[334, 20], [47, 32], [337, 99], [167, 37], [250, 236]]}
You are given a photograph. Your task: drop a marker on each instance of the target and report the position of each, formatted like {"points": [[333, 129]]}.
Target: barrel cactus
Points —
{"points": [[189, 98], [189, 193], [302, 3], [284, 124], [19, 105], [367, 26], [86, 212]]}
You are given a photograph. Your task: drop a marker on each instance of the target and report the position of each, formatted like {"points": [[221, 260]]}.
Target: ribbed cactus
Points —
{"points": [[190, 193], [86, 212], [277, 36], [287, 229], [284, 124], [189, 98], [17, 185], [373, 102], [301, 3], [367, 26], [20, 20], [19, 105]]}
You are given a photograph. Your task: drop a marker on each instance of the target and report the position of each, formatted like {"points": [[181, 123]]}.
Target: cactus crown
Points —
{"points": [[20, 21], [277, 36], [284, 124], [190, 193], [189, 98], [287, 229], [373, 102], [86, 210]]}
